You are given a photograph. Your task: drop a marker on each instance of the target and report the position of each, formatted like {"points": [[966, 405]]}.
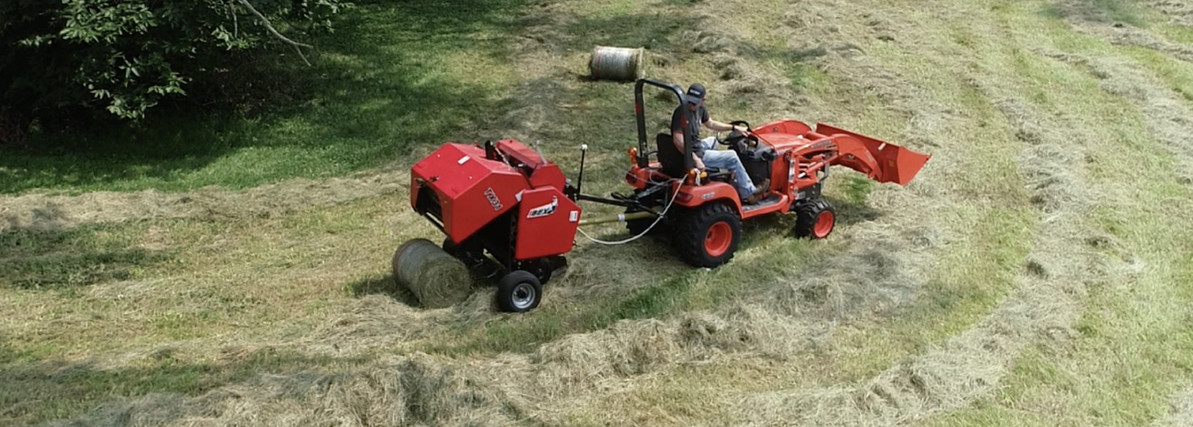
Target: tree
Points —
{"points": [[124, 56]]}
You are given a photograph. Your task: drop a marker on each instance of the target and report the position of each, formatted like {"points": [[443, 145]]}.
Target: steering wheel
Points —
{"points": [[735, 138]]}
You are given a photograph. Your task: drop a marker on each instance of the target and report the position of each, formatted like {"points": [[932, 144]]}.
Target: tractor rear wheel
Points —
{"points": [[815, 219], [708, 235], [519, 292]]}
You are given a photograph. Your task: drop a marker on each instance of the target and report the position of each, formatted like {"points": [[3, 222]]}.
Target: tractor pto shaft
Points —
{"points": [[618, 218]]}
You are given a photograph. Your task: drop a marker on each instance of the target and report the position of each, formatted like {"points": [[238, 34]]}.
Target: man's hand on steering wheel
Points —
{"points": [[735, 132]]}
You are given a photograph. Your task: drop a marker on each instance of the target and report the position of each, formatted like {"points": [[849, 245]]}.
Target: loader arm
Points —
{"points": [[877, 159]]}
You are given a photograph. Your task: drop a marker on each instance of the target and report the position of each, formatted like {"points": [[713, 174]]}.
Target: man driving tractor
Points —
{"points": [[703, 152]]}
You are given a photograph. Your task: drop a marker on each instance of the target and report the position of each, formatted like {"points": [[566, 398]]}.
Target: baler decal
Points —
{"points": [[544, 210], [493, 200]]}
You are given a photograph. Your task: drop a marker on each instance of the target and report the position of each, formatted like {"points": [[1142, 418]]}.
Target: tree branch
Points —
{"points": [[297, 46]]}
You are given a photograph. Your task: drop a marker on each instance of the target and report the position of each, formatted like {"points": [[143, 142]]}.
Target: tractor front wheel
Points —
{"points": [[519, 292], [708, 235], [815, 219]]}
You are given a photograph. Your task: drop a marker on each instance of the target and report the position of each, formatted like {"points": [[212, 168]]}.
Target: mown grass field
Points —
{"points": [[229, 270]]}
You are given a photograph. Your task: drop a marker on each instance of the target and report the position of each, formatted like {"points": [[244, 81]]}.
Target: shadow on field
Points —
{"points": [[386, 285], [369, 96], [68, 259], [651, 31], [40, 391], [848, 213], [1119, 11], [851, 212]]}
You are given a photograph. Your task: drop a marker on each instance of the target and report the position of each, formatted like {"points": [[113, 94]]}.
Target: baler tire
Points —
{"points": [[815, 220], [708, 235], [519, 292]]}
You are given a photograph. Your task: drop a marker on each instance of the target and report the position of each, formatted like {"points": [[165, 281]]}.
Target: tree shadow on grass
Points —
{"points": [[370, 96], [1118, 11], [70, 259]]}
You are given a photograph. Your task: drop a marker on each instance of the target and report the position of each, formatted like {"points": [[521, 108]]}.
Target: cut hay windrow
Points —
{"points": [[48, 211]]}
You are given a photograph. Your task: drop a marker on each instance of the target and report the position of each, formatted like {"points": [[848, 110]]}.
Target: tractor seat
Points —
{"points": [[671, 159]]}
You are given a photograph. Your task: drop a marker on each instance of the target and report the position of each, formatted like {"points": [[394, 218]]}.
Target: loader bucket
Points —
{"points": [[881, 160]]}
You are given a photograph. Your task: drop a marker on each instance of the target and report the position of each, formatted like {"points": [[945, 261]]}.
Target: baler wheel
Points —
{"points": [[815, 220], [519, 292], [708, 235]]}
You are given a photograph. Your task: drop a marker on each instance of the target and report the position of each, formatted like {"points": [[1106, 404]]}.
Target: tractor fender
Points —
{"points": [[691, 196]]}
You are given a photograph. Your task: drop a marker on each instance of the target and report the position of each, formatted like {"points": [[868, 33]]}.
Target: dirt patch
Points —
{"points": [[1181, 409]]}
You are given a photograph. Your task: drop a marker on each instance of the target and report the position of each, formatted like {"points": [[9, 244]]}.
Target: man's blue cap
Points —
{"points": [[695, 93]]}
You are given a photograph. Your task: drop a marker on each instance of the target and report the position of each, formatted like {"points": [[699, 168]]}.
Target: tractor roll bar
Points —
{"points": [[639, 103]]}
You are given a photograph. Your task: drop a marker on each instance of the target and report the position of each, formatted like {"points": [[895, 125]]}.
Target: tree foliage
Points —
{"points": [[125, 56]]}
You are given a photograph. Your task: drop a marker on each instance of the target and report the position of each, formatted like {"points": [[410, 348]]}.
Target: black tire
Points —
{"points": [[708, 235], [519, 292], [815, 219]]}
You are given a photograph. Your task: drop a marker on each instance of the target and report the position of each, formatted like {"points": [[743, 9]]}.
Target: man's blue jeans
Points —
{"points": [[727, 160]]}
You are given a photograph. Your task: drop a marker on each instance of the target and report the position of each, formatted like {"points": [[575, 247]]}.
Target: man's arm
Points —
{"points": [[677, 139], [722, 127]]}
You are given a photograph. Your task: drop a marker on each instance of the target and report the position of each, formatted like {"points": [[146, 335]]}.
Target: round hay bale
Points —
{"points": [[616, 63], [436, 278]]}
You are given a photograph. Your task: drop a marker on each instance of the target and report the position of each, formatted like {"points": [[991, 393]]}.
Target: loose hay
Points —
{"points": [[370, 322], [414, 390], [1182, 410], [436, 278], [47, 211]]}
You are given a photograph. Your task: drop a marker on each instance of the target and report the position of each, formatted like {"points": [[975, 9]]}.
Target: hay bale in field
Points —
{"points": [[436, 278], [616, 63]]}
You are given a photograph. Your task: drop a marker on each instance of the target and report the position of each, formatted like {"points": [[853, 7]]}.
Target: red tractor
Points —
{"points": [[703, 209], [504, 204]]}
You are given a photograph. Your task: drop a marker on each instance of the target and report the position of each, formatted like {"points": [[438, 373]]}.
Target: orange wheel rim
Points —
{"points": [[824, 224], [717, 241]]}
